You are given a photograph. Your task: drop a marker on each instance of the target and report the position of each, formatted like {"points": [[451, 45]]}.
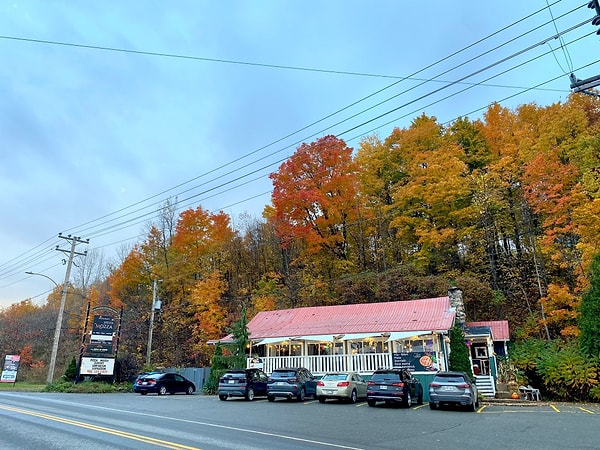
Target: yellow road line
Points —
{"points": [[481, 408], [555, 408], [586, 410], [124, 434]]}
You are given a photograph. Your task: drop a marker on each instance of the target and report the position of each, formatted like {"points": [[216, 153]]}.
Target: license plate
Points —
{"points": [[144, 382], [329, 391], [383, 388], [231, 381], [447, 388], [281, 383]]}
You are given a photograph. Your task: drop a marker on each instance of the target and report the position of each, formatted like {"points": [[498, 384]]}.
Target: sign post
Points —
{"points": [[98, 357]]}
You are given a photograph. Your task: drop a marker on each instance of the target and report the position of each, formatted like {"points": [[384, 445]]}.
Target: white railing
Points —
{"points": [[363, 363]]}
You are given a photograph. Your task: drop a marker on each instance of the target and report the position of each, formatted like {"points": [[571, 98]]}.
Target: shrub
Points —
{"points": [[560, 370], [71, 371]]}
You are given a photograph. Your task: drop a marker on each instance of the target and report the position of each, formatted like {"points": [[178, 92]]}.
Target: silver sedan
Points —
{"points": [[348, 386]]}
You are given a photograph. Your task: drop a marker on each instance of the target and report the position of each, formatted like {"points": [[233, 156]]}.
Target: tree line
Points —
{"points": [[505, 207]]}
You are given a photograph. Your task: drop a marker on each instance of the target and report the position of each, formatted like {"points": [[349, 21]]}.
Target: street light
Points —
{"points": [[42, 275], [59, 320]]}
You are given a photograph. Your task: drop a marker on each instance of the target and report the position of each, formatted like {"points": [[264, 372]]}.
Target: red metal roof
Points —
{"points": [[499, 328], [410, 315]]}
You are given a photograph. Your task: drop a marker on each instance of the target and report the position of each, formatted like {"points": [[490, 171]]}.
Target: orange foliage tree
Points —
{"points": [[314, 195]]}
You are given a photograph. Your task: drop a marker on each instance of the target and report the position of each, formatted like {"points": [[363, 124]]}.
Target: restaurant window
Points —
{"points": [[369, 346], [322, 348]]}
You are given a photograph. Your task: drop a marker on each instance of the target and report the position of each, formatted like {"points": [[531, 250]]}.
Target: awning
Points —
{"points": [[275, 340], [352, 336], [396, 335], [319, 337]]}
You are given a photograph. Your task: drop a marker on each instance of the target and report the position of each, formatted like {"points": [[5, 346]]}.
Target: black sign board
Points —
{"points": [[103, 328], [100, 348], [415, 361]]}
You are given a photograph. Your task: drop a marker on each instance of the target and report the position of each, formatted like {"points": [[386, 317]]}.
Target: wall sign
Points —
{"points": [[416, 361]]}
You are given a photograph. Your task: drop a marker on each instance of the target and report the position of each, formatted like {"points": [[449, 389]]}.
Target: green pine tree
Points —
{"points": [[589, 312], [71, 371], [458, 360]]}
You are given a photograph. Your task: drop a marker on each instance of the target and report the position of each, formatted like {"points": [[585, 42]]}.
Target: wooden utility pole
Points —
{"points": [[74, 241]]}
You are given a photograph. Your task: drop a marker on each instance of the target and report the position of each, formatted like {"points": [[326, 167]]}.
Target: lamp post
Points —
{"points": [[42, 275]]}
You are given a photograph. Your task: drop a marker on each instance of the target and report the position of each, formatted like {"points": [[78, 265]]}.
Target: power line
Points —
{"points": [[106, 230]]}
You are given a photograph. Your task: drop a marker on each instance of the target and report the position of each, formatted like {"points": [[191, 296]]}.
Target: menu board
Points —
{"points": [[416, 361]]}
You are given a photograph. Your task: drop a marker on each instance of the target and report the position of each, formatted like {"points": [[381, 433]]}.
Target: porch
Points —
{"points": [[362, 363]]}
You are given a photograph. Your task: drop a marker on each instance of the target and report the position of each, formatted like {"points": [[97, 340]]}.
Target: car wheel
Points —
{"points": [[322, 399], [407, 400], [222, 397], [474, 406], [433, 405], [143, 393], [190, 390], [250, 394], [271, 398], [371, 402], [353, 396], [302, 395], [162, 390]]}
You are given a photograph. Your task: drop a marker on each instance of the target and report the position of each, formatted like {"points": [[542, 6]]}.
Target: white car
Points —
{"points": [[348, 386]]}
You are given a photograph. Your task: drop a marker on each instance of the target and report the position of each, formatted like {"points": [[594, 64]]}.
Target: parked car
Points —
{"points": [[394, 386], [290, 382], [348, 386], [247, 383], [163, 383], [453, 388], [142, 375]]}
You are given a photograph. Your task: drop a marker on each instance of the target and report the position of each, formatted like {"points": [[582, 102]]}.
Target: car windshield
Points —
{"points": [[391, 376], [283, 374], [335, 377]]}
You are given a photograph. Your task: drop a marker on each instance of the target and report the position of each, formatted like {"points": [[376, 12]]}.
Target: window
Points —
{"points": [[481, 352]]}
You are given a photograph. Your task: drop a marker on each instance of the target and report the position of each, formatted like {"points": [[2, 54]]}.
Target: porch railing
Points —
{"points": [[364, 363]]}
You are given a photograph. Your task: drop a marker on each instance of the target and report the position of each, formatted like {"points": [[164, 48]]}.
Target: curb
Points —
{"points": [[511, 402]]}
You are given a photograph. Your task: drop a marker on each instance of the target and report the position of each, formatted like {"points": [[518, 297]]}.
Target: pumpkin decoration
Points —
{"points": [[515, 395]]}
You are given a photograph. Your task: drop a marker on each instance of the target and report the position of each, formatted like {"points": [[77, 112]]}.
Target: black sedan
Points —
{"points": [[163, 383]]}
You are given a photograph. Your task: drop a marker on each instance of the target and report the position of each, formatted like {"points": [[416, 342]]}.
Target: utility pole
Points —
{"points": [[74, 241], [154, 308], [584, 86]]}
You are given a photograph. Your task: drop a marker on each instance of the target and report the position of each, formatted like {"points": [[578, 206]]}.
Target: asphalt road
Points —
{"points": [[131, 421]]}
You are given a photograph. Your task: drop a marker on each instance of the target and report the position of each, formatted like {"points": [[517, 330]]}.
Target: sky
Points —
{"points": [[110, 109]]}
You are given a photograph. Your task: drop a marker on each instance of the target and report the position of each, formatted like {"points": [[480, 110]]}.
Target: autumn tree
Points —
{"points": [[314, 195], [381, 168], [433, 204]]}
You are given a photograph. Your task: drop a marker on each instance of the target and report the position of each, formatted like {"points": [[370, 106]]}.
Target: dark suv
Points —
{"points": [[247, 383], [394, 386], [290, 382]]}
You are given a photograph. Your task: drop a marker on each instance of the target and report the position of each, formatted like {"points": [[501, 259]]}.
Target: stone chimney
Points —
{"points": [[456, 301]]}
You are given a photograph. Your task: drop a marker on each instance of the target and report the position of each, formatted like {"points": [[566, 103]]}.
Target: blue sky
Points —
{"points": [[107, 109]]}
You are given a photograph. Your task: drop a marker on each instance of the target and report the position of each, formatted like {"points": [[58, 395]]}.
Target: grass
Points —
{"points": [[22, 386], [86, 387]]}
